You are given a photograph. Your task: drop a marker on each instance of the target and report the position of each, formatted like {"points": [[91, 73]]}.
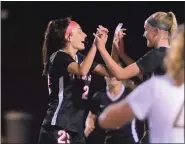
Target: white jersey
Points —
{"points": [[162, 103]]}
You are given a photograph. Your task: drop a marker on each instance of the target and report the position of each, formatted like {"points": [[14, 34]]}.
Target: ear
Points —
{"points": [[157, 31], [70, 37]]}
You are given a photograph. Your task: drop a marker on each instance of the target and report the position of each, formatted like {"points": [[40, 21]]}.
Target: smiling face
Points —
{"points": [[150, 34], [77, 38]]}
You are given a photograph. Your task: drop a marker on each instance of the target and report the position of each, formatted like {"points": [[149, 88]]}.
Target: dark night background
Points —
{"points": [[22, 34]]}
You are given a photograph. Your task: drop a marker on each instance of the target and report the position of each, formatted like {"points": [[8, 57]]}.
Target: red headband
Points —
{"points": [[70, 27]]}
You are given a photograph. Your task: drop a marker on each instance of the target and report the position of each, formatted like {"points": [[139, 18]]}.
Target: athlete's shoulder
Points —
{"points": [[57, 55]]}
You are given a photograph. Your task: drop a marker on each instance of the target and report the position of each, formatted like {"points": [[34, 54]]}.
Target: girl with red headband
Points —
{"points": [[69, 77]]}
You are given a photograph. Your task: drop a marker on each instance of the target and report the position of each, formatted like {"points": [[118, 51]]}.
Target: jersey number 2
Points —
{"points": [[86, 91]]}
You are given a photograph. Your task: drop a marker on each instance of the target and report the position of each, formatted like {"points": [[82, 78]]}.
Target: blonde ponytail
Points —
{"points": [[173, 27], [174, 60]]}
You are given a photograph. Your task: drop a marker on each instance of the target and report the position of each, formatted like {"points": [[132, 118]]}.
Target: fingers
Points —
{"points": [[88, 130], [121, 34], [99, 35], [103, 29], [96, 36], [123, 29]]}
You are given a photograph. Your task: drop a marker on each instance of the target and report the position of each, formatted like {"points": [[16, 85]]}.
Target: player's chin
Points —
{"points": [[82, 47], [149, 44]]}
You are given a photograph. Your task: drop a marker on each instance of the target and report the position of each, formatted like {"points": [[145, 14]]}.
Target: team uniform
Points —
{"points": [[125, 134], [68, 93], [163, 105], [150, 64]]}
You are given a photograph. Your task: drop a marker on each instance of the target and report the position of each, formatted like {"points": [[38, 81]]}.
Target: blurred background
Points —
{"points": [[23, 25]]}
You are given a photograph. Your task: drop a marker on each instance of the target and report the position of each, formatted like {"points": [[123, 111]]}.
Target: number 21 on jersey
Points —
{"points": [[63, 137]]}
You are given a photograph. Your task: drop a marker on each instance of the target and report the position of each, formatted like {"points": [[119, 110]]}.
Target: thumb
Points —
{"points": [[96, 36]]}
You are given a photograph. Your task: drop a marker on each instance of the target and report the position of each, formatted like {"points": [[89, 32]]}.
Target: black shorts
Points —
{"points": [[56, 135]]}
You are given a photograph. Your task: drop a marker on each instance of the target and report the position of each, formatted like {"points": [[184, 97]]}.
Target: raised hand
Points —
{"points": [[101, 36], [100, 40], [118, 38], [118, 28], [118, 41]]}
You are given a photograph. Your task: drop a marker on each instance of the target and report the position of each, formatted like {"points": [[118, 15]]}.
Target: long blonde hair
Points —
{"points": [[174, 60], [163, 20]]}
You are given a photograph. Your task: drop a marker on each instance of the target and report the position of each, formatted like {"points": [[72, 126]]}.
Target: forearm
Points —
{"points": [[119, 72], [127, 60], [110, 118], [101, 70], [90, 119], [115, 115], [114, 54], [111, 64], [86, 64]]}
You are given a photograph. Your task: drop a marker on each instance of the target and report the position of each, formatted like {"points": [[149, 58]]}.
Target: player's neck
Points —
{"points": [[115, 90], [70, 51], [163, 42]]}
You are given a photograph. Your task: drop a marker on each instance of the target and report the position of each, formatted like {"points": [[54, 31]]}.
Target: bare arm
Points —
{"points": [[132, 106], [84, 67], [89, 124], [116, 115], [127, 60], [114, 53], [121, 51], [101, 70], [119, 72]]}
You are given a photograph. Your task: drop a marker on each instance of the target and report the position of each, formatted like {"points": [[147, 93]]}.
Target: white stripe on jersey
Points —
{"points": [[133, 129], [61, 91]]}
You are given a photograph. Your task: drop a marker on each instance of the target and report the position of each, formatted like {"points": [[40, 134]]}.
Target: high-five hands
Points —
{"points": [[101, 37], [118, 37]]}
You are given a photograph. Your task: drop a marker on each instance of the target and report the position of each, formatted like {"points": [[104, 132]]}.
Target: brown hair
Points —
{"points": [[174, 60], [54, 39]]}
